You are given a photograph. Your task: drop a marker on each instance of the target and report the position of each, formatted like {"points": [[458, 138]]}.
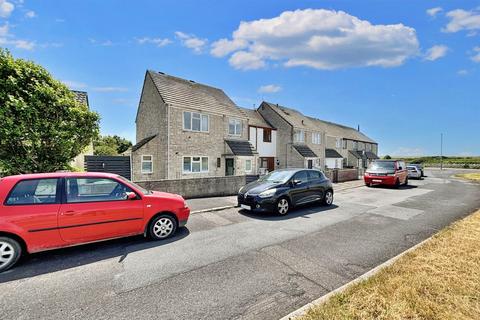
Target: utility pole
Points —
{"points": [[441, 151]]}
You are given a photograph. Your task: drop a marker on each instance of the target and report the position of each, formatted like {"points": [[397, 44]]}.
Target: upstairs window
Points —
{"points": [[355, 145], [267, 135], [299, 136], [194, 121], [235, 127], [345, 144], [368, 147], [316, 138]]}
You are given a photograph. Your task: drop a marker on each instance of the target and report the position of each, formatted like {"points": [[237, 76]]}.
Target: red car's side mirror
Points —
{"points": [[131, 196]]}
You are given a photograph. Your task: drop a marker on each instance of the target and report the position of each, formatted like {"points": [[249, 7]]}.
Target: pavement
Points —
{"points": [[233, 264], [217, 203]]}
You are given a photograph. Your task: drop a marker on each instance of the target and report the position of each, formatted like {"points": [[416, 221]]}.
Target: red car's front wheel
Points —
{"points": [[162, 227]]}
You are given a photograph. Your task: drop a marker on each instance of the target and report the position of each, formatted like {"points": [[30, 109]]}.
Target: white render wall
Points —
{"points": [[264, 149]]}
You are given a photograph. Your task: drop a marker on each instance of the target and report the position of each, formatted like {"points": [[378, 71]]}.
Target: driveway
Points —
{"points": [[233, 264]]}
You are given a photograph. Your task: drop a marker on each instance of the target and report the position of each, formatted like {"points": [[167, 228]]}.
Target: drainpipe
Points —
{"points": [[168, 139]]}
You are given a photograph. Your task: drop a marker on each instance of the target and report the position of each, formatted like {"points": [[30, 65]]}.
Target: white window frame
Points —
{"points": [[355, 145], [202, 117], [235, 123], [316, 138], [299, 134], [338, 143], [143, 160], [202, 170], [251, 165]]}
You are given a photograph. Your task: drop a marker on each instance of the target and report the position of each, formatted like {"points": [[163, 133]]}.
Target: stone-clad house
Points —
{"points": [[263, 137], [189, 130], [307, 142]]}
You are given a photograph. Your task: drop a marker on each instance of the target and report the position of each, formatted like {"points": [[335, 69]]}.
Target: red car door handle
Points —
{"points": [[69, 213]]}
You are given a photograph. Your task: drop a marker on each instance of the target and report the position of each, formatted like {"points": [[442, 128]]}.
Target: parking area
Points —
{"points": [[233, 264]]}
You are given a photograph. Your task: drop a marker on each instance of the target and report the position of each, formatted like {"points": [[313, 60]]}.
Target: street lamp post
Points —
{"points": [[441, 151]]}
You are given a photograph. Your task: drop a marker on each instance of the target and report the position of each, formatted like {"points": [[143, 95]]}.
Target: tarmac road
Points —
{"points": [[233, 264]]}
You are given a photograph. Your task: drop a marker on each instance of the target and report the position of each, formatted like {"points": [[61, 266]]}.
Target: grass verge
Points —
{"points": [[469, 176], [439, 280]]}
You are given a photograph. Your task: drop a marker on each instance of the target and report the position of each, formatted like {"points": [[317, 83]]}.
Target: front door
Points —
{"points": [[271, 164], [310, 164], [229, 167], [97, 208]]}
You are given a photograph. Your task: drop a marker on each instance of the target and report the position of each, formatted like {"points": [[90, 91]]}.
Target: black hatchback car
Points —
{"points": [[281, 190]]}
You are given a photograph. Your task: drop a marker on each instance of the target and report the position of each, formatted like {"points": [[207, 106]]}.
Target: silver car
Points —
{"points": [[414, 172], [419, 167]]}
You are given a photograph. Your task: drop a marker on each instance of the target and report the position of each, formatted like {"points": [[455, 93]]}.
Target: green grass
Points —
{"points": [[469, 176], [439, 280]]}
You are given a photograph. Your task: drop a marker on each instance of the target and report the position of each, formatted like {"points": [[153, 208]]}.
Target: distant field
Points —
{"points": [[455, 162]]}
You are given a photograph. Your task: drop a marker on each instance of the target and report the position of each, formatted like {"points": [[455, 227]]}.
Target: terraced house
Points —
{"points": [[308, 142], [189, 130]]}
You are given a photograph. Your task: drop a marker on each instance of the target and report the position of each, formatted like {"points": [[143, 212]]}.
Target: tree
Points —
{"points": [[110, 145], [42, 126], [387, 157]]}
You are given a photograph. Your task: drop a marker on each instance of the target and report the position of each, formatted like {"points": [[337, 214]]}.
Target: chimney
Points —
{"points": [[358, 128]]}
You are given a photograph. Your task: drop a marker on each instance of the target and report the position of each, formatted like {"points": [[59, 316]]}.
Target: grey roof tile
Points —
{"points": [[332, 153], [300, 121], [241, 147], [143, 142], [189, 94], [305, 151], [255, 118]]}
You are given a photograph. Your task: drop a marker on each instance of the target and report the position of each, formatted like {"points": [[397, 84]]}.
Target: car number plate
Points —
{"points": [[245, 207], [377, 180]]}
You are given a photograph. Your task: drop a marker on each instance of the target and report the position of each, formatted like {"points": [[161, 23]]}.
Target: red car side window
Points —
{"points": [[35, 191]]}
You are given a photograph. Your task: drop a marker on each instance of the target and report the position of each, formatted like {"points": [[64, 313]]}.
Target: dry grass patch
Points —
{"points": [[469, 176], [439, 280]]}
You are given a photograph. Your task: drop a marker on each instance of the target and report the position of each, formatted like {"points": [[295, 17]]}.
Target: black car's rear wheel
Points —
{"points": [[328, 198], [283, 206]]}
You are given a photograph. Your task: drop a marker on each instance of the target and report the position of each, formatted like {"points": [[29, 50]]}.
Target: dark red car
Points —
{"points": [[386, 172], [46, 211]]}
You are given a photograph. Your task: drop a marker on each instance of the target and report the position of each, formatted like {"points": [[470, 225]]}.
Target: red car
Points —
{"points": [[386, 172], [46, 211]]}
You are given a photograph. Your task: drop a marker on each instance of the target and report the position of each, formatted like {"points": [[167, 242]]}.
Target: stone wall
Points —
{"points": [[198, 187], [342, 175]]}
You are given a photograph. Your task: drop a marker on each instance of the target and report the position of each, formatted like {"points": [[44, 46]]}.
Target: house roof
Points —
{"points": [[304, 151], [81, 96], [332, 153], [143, 142], [255, 118], [190, 94], [300, 121], [241, 147], [359, 154]]}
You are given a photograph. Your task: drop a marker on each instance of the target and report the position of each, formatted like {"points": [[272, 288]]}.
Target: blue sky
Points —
{"points": [[405, 71]]}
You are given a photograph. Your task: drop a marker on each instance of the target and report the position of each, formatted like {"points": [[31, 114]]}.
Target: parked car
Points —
{"points": [[386, 172], [419, 167], [46, 211], [414, 172], [280, 190]]}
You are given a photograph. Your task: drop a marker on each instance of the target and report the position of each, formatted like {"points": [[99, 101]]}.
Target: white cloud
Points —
{"points": [[434, 11], [245, 60], [30, 14], [462, 72], [74, 84], [18, 44], [269, 88], [476, 55], [192, 42], [463, 20], [110, 89], [223, 47], [6, 8], [321, 39], [436, 52], [103, 43], [159, 42]]}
